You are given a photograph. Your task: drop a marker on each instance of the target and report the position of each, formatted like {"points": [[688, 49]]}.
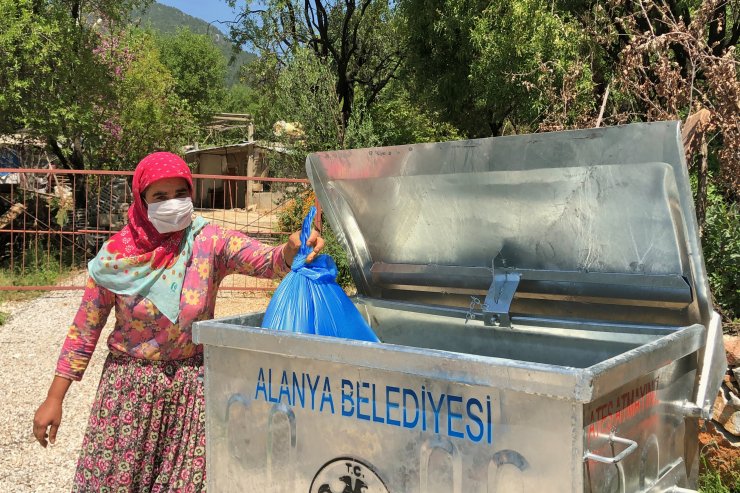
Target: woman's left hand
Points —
{"points": [[294, 244]]}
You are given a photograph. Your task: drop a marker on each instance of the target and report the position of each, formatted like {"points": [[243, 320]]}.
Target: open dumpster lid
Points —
{"points": [[591, 224]]}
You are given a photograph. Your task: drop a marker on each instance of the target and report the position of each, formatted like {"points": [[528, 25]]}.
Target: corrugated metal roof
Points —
{"points": [[21, 139], [230, 148]]}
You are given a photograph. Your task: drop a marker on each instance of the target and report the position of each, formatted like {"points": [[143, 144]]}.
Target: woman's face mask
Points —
{"points": [[171, 215]]}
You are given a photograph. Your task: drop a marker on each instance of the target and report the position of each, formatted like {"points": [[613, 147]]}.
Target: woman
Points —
{"points": [[161, 272]]}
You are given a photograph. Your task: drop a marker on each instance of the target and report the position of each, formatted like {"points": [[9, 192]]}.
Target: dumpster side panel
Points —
{"points": [[645, 423], [288, 424]]}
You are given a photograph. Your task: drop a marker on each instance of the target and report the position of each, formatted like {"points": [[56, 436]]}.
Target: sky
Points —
{"points": [[208, 10]]}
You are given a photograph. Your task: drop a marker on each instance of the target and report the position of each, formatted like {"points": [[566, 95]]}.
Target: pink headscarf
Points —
{"points": [[139, 238]]}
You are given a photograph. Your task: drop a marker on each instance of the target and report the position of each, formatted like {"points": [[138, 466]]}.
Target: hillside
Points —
{"points": [[168, 20]]}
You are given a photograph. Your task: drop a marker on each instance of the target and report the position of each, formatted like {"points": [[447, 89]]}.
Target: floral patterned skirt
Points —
{"points": [[146, 431]]}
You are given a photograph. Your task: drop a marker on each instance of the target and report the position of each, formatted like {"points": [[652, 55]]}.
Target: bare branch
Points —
{"points": [[603, 106], [363, 8], [310, 16], [647, 18]]}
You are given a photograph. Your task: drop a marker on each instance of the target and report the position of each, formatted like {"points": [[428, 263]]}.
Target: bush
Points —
{"points": [[35, 267], [291, 217], [721, 246]]}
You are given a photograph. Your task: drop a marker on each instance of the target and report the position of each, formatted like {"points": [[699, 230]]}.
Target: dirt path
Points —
{"points": [[29, 347]]}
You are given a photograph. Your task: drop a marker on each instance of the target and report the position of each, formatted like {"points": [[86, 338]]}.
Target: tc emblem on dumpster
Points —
{"points": [[347, 475]]}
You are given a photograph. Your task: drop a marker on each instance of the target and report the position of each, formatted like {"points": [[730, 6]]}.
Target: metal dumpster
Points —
{"points": [[545, 320]]}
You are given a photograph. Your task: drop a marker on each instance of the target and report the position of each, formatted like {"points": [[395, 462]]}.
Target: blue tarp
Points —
{"points": [[9, 159]]}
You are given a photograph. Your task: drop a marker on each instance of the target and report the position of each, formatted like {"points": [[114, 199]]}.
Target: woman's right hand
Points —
{"points": [[48, 418], [49, 414]]}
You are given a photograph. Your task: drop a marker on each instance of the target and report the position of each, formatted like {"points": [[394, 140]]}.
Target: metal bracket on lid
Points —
{"points": [[498, 300]]}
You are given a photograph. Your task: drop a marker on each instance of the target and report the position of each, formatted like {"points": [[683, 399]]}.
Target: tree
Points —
{"points": [[482, 64], [241, 98], [198, 68], [672, 59], [146, 113], [356, 39], [399, 119], [50, 80]]}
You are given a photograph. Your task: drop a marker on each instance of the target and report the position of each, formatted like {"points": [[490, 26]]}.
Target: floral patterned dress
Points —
{"points": [[147, 427]]}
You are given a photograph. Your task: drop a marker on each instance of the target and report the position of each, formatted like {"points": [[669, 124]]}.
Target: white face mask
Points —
{"points": [[171, 215]]}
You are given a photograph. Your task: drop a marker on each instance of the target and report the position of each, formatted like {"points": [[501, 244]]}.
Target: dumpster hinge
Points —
{"points": [[499, 298]]}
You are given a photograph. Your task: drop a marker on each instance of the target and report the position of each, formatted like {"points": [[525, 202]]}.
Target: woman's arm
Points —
{"points": [[78, 348], [241, 254], [83, 335]]}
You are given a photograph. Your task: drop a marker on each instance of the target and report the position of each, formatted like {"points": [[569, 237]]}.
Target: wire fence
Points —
{"points": [[55, 219]]}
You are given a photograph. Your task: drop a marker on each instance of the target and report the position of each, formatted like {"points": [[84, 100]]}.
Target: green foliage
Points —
{"points": [[39, 270], [304, 92], [721, 246], [355, 43], [241, 98], [486, 65], [711, 481], [440, 54], [398, 120], [146, 114], [101, 95], [198, 68], [291, 217], [164, 19], [51, 80], [4, 317], [294, 209]]}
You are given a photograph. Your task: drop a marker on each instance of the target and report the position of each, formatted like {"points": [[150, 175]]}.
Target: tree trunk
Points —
{"points": [[77, 158], [57, 151], [345, 93]]}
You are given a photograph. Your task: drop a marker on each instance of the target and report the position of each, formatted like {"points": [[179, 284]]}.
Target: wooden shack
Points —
{"points": [[243, 159]]}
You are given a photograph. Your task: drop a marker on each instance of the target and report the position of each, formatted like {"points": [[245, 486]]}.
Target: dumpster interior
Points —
{"points": [[577, 346]]}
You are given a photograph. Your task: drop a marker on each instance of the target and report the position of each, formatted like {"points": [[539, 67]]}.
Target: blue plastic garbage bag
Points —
{"points": [[310, 301]]}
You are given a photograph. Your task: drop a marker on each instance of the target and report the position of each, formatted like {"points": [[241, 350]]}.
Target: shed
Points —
{"points": [[243, 159]]}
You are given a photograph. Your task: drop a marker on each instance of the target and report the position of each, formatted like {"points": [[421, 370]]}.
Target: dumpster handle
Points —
{"points": [[631, 446]]}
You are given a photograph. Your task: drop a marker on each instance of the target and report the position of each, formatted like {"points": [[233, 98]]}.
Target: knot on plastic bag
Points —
{"points": [[322, 269]]}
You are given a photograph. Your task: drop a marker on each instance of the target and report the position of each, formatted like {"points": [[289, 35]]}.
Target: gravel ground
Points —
{"points": [[29, 347]]}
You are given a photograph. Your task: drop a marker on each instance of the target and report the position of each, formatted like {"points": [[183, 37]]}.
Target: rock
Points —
{"points": [[731, 380], [726, 410], [732, 348]]}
